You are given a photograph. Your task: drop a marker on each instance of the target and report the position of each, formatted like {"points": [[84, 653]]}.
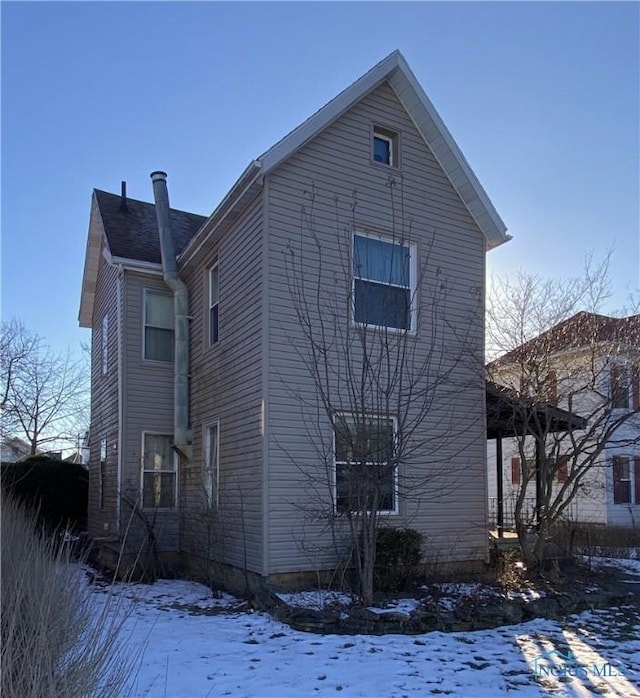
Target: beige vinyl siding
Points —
{"points": [[226, 386], [443, 488], [148, 408], [104, 404]]}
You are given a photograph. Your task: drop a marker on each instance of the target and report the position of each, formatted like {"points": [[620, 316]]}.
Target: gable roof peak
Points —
{"points": [[395, 70]]}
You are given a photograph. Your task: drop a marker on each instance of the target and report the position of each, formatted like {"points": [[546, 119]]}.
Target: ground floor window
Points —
{"points": [[626, 480], [158, 472], [102, 472], [211, 453], [365, 463]]}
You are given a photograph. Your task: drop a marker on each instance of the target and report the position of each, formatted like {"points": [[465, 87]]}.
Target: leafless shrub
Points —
{"points": [[510, 572], [56, 640]]}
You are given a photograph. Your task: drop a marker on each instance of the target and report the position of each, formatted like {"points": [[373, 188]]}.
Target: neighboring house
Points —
{"points": [[588, 365], [198, 415], [14, 450]]}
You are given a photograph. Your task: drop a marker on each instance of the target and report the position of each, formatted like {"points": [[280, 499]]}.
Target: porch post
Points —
{"points": [[500, 487], [538, 483]]}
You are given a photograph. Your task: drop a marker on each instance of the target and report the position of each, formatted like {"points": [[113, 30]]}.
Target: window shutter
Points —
{"points": [[637, 479], [552, 388], [635, 386], [563, 469], [515, 470]]}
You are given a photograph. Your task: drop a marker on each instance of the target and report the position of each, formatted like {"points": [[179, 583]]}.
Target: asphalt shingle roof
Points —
{"points": [[133, 233]]}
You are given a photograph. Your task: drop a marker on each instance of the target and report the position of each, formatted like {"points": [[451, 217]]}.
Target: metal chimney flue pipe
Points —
{"points": [[182, 433]]}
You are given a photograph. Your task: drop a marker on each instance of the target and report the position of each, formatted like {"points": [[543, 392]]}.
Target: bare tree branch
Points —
{"points": [[44, 394]]}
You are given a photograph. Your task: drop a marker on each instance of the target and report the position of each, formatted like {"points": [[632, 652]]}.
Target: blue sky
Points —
{"points": [[542, 98]]}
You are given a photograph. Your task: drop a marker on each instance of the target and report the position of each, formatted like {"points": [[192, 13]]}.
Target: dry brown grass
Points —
{"points": [[55, 641]]}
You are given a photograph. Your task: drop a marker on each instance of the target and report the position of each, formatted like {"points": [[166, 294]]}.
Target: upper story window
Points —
{"points": [[158, 326], [158, 472], [385, 146], [366, 471], [104, 341], [214, 292], [383, 282]]}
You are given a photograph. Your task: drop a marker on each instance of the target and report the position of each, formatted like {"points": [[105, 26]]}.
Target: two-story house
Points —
{"points": [[587, 365], [210, 422]]}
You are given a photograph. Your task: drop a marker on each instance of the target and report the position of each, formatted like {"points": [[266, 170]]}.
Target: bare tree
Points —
{"points": [[575, 374], [381, 415], [44, 394]]}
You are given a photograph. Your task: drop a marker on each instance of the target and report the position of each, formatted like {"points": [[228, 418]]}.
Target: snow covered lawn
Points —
{"points": [[195, 645]]}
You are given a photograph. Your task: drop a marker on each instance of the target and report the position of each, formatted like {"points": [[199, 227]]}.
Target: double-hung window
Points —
{"points": [[158, 472], [158, 326], [366, 469], [384, 282], [621, 480], [211, 467], [214, 293]]}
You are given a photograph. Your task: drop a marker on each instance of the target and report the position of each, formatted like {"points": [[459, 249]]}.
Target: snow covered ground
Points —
{"points": [[196, 646]]}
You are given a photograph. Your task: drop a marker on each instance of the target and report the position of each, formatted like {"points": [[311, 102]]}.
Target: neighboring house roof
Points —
{"points": [[580, 330], [132, 233], [14, 449]]}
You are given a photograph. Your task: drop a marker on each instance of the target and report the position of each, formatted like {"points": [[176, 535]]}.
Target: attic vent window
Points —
{"points": [[385, 146]]}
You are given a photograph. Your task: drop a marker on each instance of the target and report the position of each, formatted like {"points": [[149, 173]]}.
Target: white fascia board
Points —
{"points": [[138, 265], [441, 142], [95, 236]]}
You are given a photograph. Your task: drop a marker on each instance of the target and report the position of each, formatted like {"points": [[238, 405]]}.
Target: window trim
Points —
{"points": [[396, 491], [413, 282], [215, 266], [633, 478], [147, 292], [104, 345], [143, 470], [212, 502], [392, 137], [102, 470]]}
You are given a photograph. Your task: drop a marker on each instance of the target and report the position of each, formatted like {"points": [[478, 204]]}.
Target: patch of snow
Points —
{"points": [[316, 599], [406, 606], [628, 565], [245, 654], [526, 594]]}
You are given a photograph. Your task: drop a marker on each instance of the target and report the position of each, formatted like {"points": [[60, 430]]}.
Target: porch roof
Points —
{"points": [[508, 415]]}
